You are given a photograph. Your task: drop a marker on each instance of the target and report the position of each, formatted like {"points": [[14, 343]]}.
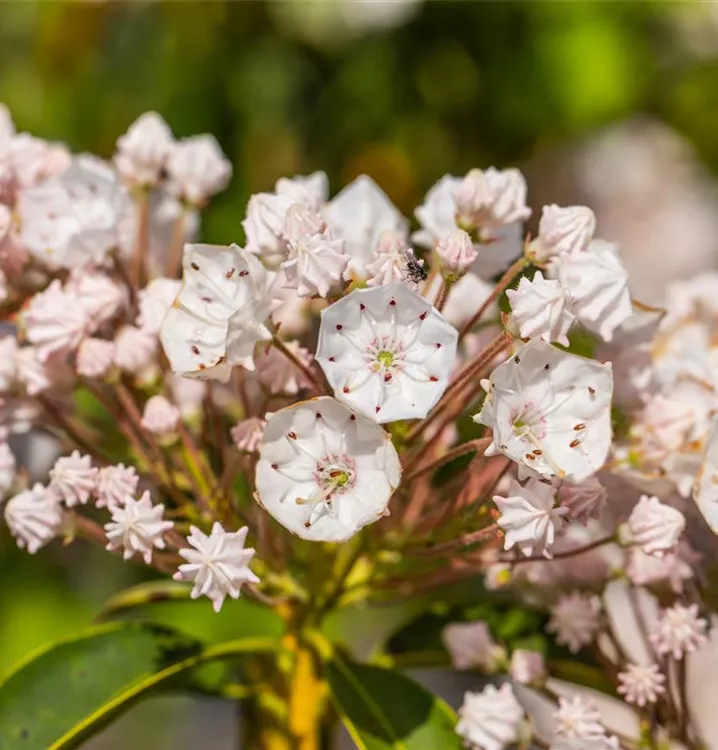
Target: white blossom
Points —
{"points": [[94, 357], [574, 620], [325, 472], [541, 308], [160, 416], [217, 564], [54, 321], [7, 469], [641, 684], [220, 313], [74, 218], [653, 526], [197, 169], [527, 667], [528, 516], [264, 226], [34, 517], [492, 198], [386, 352], [154, 301], [310, 190], [391, 261], [315, 260], [99, 295], [115, 484], [679, 631], [490, 720], [550, 411], [470, 645], [73, 479], [143, 150], [358, 215], [248, 434], [598, 284], [563, 230], [137, 527], [578, 718], [278, 374], [40, 375]]}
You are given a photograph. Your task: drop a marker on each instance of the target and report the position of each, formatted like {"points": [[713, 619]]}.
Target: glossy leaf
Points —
{"points": [[384, 710], [68, 692]]}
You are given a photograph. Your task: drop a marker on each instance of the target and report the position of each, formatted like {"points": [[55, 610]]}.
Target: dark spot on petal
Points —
{"points": [[230, 273], [387, 377], [353, 417], [393, 303], [422, 316], [275, 466], [377, 409], [580, 426], [538, 452], [433, 378], [339, 327], [530, 456], [574, 443], [292, 435], [194, 266], [438, 345], [592, 391], [319, 415], [195, 350], [345, 389], [332, 359], [547, 366], [244, 273], [517, 360], [362, 306]]}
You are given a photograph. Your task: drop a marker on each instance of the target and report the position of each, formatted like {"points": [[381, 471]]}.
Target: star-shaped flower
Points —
{"points": [[137, 527]]}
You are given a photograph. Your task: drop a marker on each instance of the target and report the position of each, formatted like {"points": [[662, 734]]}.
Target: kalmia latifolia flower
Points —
{"points": [[359, 215], [563, 230], [220, 313], [653, 526], [160, 416], [528, 516], [586, 743], [386, 352], [575, 620], [247, 435], [315, 260], [470, 645], [457, 253], [641, 684], [217, 564], [135, 350], [325, 472], [550, 411], [197, 169], [394, 262], [679, 631], [154, 301], [578, 718], [73, 479], [491, 198], [143, 150], [527, 667], [541, 308], [706, 485], [34, 517], [278, 374], [491, 719], [115, 484], [95, 357], [584, 500], [137, 527], [598, 284]]}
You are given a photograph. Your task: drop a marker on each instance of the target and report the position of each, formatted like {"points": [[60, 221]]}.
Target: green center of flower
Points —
{"points": [[339, 478], [519, 424], [385, 358]]}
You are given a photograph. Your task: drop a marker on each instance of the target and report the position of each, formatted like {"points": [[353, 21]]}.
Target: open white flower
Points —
{"points": [[679, 631], [359, 214], [705, 492], [653, 526], [137, 527], [562, 230], [598, 284], [578, 717], [219, 314], [541, 308], [316, 260], [325, 472], [34, 517], [574, 620], [490, 720], [528, 516], [641, 684], [73, 479], [73, 219], [550, 411], [386, 352], [217, 564]]}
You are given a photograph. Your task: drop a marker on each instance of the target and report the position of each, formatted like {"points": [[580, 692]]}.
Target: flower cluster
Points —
{"points": [[315, 382]]}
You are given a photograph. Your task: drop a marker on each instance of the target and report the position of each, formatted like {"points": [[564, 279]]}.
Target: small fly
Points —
{"points": [[414, 267]]}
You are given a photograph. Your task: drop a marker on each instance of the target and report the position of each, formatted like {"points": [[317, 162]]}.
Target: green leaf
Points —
{"points": [[384, 709], [69, 691]]}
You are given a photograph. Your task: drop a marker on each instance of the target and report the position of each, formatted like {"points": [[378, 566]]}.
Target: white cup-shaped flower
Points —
{"points": [[550, 411], [197, 169], [653, 526], [325, 472], [562, 230], [386, 352], [219, 314]]}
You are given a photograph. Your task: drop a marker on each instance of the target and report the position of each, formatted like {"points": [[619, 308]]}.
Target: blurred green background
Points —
{"points": [[404, 91]]}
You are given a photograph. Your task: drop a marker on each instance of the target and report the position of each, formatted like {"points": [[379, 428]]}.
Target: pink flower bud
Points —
{"points": [[527, 667], [142, 151], [247, 434], [457, 252], [160, 416], [94, 358], [653, 526], [563, 230]]}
